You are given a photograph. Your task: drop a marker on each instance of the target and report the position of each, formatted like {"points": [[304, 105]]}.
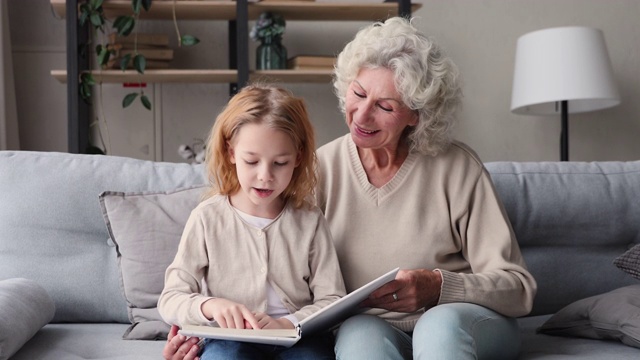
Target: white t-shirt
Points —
{"points": [[275, 307]]}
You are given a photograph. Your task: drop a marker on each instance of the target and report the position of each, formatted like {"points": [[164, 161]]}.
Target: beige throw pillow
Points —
{"points": [[146, 230]]}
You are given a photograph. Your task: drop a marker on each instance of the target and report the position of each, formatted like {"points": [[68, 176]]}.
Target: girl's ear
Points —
{"points": [[231, 153]]}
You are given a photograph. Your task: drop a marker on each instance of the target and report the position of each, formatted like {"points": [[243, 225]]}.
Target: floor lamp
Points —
{"points": [[562, 70]]}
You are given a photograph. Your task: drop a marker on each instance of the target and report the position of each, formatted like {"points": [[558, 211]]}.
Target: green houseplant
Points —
{"points": [[92, 11]]}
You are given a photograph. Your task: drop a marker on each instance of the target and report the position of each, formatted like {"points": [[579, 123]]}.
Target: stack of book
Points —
{"points": [[154, 47], [311, 62]]}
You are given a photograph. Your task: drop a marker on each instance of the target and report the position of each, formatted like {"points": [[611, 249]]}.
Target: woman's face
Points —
{"points": [[375, 113]]}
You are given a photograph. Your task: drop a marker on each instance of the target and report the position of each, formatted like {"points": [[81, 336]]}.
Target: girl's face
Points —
{"points": [[375, 113], [265, 159]]}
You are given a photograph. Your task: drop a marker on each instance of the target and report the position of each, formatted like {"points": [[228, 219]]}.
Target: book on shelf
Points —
{"points": [[322, 320], [150, 64], [311, 62], [149, 54], [141, 39]]}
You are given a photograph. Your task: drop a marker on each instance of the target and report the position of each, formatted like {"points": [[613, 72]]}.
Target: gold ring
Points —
{"points": [[395, 296]]}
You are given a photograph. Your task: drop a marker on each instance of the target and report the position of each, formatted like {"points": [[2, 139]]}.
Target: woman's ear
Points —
{"points": [[415, 118], [231, 153]]}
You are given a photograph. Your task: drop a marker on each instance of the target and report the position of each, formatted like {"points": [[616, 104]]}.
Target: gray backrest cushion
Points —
{"points": [[571, 220], [53, 232]]}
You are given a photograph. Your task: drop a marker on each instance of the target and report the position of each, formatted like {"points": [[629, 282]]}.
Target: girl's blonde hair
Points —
{"points": [[278, 109]]}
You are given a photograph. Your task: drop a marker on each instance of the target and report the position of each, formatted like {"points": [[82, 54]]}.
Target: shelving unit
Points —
{"points": [[236, 13]]}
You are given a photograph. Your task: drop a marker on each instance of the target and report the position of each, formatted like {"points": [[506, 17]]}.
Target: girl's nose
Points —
{"points": [[265, 173]]}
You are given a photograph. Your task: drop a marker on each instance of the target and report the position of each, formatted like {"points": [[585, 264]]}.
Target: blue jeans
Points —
{"points": [[317, 347], [455, 331]]}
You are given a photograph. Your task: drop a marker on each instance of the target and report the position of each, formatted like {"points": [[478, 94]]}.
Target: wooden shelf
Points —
{"points": [[226, 10], [202, 76]]}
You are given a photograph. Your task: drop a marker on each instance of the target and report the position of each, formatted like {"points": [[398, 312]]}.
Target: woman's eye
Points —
{"points": [[358, 94], [385, 108]]}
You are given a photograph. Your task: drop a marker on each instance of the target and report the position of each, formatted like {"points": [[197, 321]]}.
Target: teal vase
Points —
{"points": [[271, 54]]}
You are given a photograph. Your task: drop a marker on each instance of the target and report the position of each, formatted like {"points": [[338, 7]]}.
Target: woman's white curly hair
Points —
{"points": [[426, 79]]}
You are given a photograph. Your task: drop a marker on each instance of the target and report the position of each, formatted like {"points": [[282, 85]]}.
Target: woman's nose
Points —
{"points": [[364, 112]]}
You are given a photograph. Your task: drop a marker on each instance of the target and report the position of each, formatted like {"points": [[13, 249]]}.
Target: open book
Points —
{"points": [[323, 319]]}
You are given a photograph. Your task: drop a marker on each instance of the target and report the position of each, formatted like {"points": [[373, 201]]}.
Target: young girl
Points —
{"points": [[265, 254]]}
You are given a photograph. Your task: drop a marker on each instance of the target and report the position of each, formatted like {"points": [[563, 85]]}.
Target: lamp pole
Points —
{"points": [[564, 135]]}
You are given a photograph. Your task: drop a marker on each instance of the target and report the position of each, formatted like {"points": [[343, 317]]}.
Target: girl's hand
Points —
{"points": [[229, 314], [178, 347], [267, 322], [413, 290]]}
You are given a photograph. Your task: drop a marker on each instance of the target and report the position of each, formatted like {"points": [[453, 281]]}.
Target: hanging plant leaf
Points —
{"points": [[146, 4], [85, 10], [136, 5], [85, 92], [96, 3], [140, 63], [103, 54], [119, 22], [129, 99], [189, 40], [124, 25], [145, 101], [124, 62], [96, 19], [88, 78], [86, 83]]}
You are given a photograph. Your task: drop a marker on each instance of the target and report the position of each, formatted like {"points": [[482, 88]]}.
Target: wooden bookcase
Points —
{"points": [[236, 13]]}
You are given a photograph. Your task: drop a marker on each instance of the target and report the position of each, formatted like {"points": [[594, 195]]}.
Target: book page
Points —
{"points": [[216, 331], [321, 320]]}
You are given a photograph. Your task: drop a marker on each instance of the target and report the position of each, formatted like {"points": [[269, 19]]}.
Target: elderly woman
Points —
{"points": [[397, 191]]}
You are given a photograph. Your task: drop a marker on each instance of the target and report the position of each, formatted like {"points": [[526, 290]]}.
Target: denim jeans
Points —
{"points": [[317, 347], [456, 331]]}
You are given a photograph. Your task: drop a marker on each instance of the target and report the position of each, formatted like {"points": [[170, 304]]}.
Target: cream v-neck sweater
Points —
{"points": [[294, 254], [437, 212]]}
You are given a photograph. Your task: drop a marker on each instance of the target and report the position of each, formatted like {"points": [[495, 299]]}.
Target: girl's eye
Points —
{"points": [[250, 162], [281, 163], [358, 94]]}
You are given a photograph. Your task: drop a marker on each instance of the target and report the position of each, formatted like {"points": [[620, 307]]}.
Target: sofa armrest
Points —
{"points": [[25, 307]]}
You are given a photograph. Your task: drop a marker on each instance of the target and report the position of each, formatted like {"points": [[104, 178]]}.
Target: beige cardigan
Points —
{"points": [[436, 213], [295, 254]]}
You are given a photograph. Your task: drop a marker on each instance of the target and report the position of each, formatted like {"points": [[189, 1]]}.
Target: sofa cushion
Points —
{"points": [[611, 316], [25, 307], [571, 219], [629, 262], [52, 230], [146, 230]]}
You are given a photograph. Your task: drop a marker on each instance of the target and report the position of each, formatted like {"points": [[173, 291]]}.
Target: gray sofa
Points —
{"points": [[72, 284]]}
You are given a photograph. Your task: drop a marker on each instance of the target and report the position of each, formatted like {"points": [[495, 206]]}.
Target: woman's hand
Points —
{"points": [[267, 322], [410, 291], [229, 314], [178, 347]]}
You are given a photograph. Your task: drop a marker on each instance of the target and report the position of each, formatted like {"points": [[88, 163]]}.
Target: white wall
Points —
{"points": [[480, 36]]}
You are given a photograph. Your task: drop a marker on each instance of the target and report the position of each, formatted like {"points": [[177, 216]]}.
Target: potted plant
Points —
{"points": [[91, 11], [268, 30]]}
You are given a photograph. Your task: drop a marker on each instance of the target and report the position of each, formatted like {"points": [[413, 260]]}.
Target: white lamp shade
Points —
{"points": [[567, 63]]}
